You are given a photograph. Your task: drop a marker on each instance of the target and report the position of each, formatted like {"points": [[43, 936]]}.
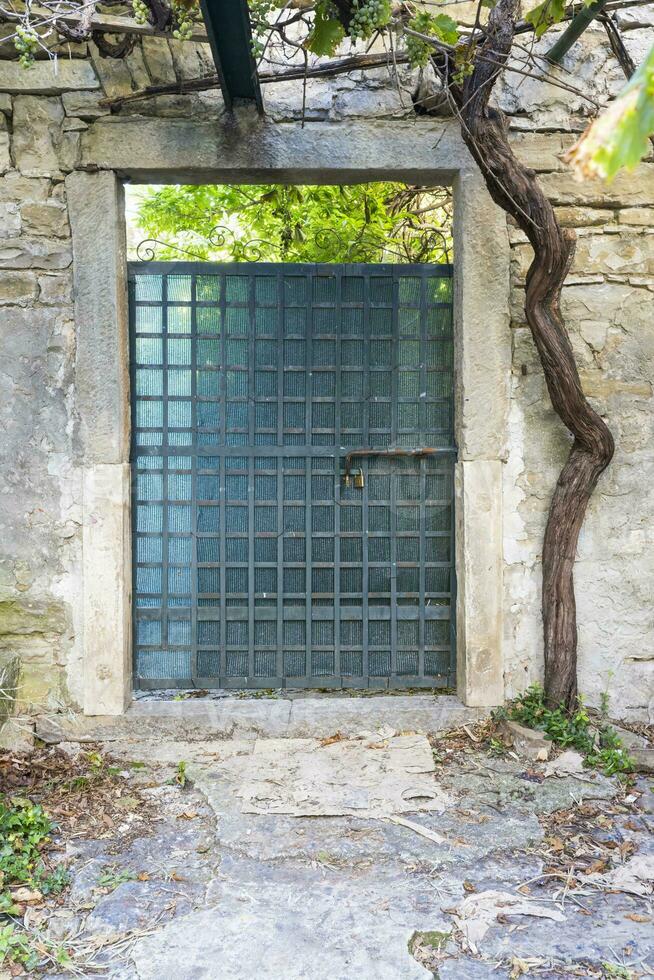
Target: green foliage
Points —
{"points": [[572, 729], [496, 746], [113, 876], [54, 883], [439, 26], [548, 13], [373, 222], [545, 15], [15, 947], [24, 830], [327, 31], [619, 136], [617, 970], [180, 774]]}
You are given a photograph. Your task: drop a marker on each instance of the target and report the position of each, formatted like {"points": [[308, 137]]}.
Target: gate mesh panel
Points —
{"points": [[254, 566]]}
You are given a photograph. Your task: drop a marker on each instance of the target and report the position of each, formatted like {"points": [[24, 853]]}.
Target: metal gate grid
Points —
{"points": [[254, 565]]}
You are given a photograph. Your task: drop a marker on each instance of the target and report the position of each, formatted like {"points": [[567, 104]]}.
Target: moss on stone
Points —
{"points": [[432, 939], [18, 618]]}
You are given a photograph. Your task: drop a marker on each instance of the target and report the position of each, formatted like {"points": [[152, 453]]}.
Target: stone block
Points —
{"points": [[627, 190], [20, 189], [55, 290], [47, 77], [283, 100], [191, 60], [17, 736], [136, 67], [527, 742], [34, 253], [113, 73], [17, 288], [627, 253], [158, 59], [643, 760], [73, 125], [541, 151], [362, 102], [68, 151], [5, 104], [84, 105], [576, 217], [37, 135], [9, 220], [643, 217], [5, 152], [49, 219]]}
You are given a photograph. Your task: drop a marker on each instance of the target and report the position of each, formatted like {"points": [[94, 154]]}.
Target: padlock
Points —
{"points": [[359, 481]]}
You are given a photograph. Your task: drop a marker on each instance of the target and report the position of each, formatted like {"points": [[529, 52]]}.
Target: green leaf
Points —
{"points": [[545, 14], [445, 28], [619, 136], [327, 33], [438, 26]]}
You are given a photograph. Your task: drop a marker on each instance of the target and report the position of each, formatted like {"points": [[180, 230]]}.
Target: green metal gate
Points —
{"points": [[292, 454]]}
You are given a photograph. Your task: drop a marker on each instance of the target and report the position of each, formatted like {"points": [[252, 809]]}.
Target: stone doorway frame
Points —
{"points": [[247, 149]]}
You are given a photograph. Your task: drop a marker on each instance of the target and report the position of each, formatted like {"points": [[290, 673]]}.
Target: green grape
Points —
{"points": [[184, 20], [259, 17], [141, 11], [368, 16], [26, 44]]}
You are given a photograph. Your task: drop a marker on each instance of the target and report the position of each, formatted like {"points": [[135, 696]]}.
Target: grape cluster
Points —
{"points": [[141, 11], [184, 19], [367, 17], [259, 15], [418, 51], [26, 44]]}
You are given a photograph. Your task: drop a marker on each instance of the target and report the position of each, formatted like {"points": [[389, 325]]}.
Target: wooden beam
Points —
{"points": [[108, 23]]}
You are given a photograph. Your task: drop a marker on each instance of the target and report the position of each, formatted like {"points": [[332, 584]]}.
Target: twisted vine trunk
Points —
{"points": [[515, 188]]}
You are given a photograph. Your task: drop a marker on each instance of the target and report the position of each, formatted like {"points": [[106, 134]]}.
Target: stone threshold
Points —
{"points": [[256, 717]]}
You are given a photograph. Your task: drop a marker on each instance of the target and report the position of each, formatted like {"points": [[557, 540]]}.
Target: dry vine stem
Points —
{"points": [[516, 190]]}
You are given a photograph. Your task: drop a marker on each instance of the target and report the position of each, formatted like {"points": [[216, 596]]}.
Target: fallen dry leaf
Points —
{"points": [[637, 917], [25, 896], [331, 739]]}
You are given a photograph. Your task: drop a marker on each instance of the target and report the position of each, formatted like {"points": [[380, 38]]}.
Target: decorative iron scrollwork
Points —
{"points": [[329, 246]]}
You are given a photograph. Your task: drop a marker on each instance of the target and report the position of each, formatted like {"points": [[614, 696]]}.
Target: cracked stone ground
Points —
{"points": [[172, 881]]}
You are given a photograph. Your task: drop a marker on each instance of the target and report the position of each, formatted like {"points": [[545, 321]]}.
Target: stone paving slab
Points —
{"points": [[245, 896]]}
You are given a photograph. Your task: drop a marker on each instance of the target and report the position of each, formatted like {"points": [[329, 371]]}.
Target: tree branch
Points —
{"points": [[338, 66], [516, 190]]}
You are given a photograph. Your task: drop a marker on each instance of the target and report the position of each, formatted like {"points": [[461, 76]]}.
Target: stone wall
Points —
{"points": [[49, 120]]}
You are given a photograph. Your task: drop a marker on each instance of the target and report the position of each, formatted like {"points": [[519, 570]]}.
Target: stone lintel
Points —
{"points": [[247, 149]]}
